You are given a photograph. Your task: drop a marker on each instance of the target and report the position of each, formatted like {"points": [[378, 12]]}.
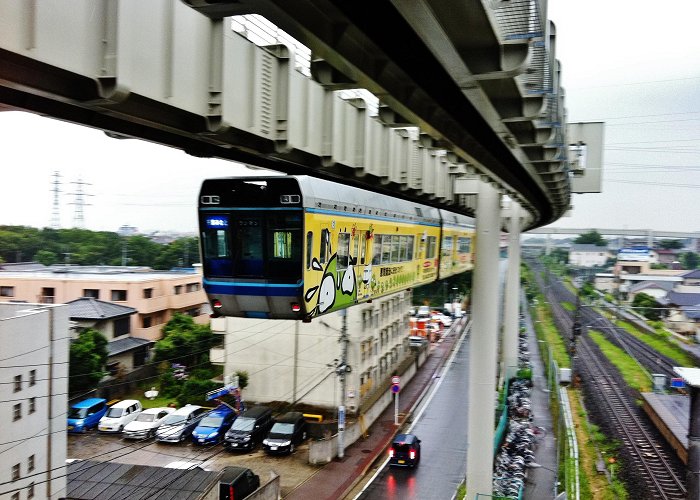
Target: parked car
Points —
{"points": [[179, 425], [417, 341], [119, 415], [213, 426], [288, 431], [237, 483], [86, 414], [405, 450], [423, 312], [249, 429], [145, 425]]}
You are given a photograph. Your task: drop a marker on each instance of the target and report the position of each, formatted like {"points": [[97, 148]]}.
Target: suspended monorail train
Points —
{"points": [[296, 247]]}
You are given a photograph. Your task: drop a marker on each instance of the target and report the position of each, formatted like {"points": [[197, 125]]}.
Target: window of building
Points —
{"points": [[30, 463], [15, 496], [146, 321], [113, 368], [32, 377], [47, 295], [15, 472], [17, 412], [118, 295], [148, 293], [30, 491], [178, 289], [140, 357], [18, 383], [32, 405], [91, 293], [192, 287], [7, 291], [122, 326], [194, 312]]}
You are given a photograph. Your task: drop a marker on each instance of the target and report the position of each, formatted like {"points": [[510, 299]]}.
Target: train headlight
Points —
{"points": [[216, 304], [295, 307]]}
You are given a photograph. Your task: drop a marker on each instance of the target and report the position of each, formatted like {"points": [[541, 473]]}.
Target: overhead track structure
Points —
{"points": [[465, 89]]}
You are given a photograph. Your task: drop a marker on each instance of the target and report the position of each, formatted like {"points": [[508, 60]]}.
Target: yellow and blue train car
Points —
{"points": [[295, 247]]}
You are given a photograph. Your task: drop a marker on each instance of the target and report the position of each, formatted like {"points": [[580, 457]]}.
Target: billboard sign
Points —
{"points": [[636, 254]]}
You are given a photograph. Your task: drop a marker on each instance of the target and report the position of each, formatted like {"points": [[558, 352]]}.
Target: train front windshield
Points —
{"points": [[259, 244]]}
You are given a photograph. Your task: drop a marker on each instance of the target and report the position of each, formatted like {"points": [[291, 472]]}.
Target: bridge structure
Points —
{"points": [[649, 234], [453, 104]]}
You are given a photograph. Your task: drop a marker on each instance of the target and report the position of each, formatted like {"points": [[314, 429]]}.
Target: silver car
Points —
{"points": [[179, 425], [146, 423]]}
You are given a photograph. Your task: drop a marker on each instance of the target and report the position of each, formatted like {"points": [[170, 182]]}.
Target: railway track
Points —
{"points": [[655, 466], [647, 455]]}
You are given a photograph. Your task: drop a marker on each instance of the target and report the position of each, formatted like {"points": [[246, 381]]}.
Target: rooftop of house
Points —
{"points": [[90, 480], [90, 308]]}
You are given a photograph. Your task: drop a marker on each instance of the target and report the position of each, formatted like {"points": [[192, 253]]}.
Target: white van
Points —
{"points": [[119, 415]]}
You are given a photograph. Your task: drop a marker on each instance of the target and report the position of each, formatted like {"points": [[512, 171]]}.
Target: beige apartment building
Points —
{"points": [[156, 295]]}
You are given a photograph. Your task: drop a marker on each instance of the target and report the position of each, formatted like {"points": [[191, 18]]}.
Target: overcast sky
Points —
{"points": [[633, 64]]}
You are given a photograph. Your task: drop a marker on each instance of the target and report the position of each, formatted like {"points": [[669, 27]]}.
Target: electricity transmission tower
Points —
{"points": [[56, 210], [80, 203]]}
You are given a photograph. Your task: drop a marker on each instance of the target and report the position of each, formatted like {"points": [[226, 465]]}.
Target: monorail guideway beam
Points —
{"points": [[163, 72]]}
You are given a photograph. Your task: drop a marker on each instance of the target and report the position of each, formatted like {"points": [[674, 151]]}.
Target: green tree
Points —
{"points": [[46, 257], [647, 306], [194, 391], [180, 253], [591, 238], [185, 342], [88, 355], [689, 260], [671, 244]]}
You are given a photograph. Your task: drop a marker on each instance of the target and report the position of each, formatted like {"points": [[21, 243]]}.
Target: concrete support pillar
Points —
{"points": [[650, 238], [512, 293], [548, 245], [483, 342]]}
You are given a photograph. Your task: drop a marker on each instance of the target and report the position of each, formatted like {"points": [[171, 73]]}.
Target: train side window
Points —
{"points": [[282, 244], [464, 245], [363, 248], [309, 248], [356, 247], [403, 243], [386, 249], [410, 242], [447, 246], [377, 250], [395, 247], [343, 250], [430, 252], [325, 240]]}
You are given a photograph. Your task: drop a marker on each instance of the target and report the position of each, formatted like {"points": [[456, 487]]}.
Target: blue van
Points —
{"points": [[213, 426], [86, 414]]}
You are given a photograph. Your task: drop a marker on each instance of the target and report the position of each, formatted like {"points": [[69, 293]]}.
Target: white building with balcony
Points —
{"points": [[34, 341], [293, 361]]}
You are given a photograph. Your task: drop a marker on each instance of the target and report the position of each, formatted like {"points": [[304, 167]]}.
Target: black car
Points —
{"points": [[249, 429], [237, 483], [405, 450], [289, 430]]}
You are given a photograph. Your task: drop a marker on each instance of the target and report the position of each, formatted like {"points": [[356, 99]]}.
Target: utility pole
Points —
{"points": [[341, 370]]}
